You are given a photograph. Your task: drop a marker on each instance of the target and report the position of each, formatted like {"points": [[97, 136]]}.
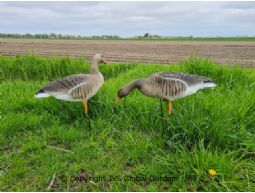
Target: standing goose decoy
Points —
{"points": [[77, 87], [167, 85]]}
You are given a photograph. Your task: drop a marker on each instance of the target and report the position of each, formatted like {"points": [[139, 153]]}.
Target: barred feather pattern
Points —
{"points": [[81, 91], [172, 85], [88, 88], [66, 83], [190, 79], [77, 87], [169, 88]]}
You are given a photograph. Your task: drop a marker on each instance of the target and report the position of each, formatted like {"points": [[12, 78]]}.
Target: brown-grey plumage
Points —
{"points": [[78, 87], [190, 79], [167, 85], [66, 83]]}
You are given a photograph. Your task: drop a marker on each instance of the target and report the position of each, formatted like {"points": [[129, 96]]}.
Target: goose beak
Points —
{"points": [[103, 61], [117, 99]]}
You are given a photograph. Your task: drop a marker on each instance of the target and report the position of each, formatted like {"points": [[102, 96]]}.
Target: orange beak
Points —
{"points": [[117, 99]]}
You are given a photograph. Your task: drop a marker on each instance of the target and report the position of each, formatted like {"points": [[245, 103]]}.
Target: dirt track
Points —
{"points": [[164, 52]]}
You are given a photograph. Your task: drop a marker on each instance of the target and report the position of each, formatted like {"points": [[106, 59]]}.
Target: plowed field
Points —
{"points": [[164, 52]]}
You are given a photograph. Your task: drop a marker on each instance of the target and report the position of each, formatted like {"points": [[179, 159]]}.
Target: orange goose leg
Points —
{"points": [[170, 107], [85, 105]]}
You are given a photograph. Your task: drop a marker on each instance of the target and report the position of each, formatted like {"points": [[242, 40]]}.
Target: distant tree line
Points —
{"points": [[145, 36], [60, 36], [149, 36], [55, 36]]}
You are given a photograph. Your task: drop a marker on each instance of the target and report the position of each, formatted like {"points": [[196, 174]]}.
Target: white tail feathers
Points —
{"points": [[209, 85], [193, 89], [42, 95]]}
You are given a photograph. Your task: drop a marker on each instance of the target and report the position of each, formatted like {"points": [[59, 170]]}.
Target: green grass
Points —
{"points": [[212, 129]]}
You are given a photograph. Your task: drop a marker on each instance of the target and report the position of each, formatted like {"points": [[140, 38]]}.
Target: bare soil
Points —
{"points": [[164, 52]]}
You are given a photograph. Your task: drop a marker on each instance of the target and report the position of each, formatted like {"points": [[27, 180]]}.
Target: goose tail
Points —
{"points": [[41, 94], [209, 83]]}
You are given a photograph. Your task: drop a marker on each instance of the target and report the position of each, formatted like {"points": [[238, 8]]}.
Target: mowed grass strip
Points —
{"points": [[39, 139]]}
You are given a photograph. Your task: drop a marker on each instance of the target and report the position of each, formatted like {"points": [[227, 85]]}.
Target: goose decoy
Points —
{"points": [[167, 85], [77, 87]]}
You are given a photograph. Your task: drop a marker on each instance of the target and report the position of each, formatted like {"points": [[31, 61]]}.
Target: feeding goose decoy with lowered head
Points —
{"points": [[167, 85], [77, 87]]}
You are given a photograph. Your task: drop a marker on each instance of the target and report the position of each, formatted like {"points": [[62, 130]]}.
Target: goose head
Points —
{"points": [[124, 91], [99, 59]]}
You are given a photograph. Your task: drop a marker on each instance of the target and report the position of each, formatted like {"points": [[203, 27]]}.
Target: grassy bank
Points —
{"points": [[51, 140]]}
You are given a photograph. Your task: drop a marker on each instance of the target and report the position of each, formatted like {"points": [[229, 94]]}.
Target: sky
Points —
{"points": [[127, 19]]}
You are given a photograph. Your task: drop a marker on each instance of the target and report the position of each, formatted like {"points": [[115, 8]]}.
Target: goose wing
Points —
{"points": [[82, 90], [66, 84], [169, 85], [189, 79]]}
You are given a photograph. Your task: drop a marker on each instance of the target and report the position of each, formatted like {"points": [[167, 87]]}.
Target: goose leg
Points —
{"points": [[85, 105], [170, 107]]}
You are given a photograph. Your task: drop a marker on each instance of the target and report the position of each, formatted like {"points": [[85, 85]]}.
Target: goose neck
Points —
{"points": [[135, 84], [94, 67]]}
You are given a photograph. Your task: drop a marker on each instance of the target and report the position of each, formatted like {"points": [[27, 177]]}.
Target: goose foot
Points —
{"points": [[85, 105], [170, 107]]}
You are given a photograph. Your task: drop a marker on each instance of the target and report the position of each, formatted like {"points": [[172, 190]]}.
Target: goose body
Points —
{"points": [[173, 85], [168, 85], [73, 88], [77, 87]]}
